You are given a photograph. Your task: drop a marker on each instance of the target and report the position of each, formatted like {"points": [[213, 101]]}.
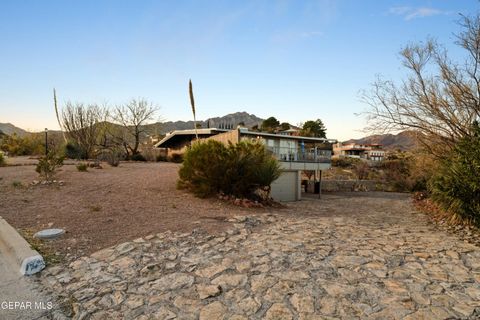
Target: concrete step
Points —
{"points": [[17, 252]]}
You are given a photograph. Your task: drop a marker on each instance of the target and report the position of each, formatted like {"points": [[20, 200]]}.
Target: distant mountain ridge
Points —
{"points": [[9, 129], [232, 119], [404, 140]]}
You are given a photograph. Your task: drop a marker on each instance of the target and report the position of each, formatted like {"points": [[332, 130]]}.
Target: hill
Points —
{"points": [[9, 129], [404, 140], [232, 119]]}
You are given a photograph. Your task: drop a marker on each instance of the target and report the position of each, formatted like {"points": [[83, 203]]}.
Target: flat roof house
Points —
{"points": [[295, 154], [373, 152]]}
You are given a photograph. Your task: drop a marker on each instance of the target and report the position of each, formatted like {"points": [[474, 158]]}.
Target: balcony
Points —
{"points": [[313, 155]]}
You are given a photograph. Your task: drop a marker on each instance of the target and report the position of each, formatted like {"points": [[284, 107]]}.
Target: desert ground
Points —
{"points": [[102, 207]]}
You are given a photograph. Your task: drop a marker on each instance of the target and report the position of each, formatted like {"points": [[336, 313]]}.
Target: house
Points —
{"points": [[290, 132], [295, 154], [372, 152], [177, 140]]}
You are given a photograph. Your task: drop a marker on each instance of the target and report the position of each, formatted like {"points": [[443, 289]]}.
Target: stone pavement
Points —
{"points": [[377, 260]]}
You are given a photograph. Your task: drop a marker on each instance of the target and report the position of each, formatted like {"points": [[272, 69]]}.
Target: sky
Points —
{"points": [[294, 60]]}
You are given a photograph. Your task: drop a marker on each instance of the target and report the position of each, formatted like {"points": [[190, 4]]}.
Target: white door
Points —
{"points": [[285, 188]]}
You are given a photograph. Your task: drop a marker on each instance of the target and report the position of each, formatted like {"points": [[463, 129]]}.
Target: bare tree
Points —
{"points": [[84, 125], [132, 117], [439, 99]]}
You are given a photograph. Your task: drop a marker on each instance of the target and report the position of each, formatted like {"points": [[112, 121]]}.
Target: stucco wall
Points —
{"points": [[230, 136]]}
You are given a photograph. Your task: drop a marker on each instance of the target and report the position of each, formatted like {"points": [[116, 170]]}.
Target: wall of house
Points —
{"points": [[232, 136], [287, 186]]}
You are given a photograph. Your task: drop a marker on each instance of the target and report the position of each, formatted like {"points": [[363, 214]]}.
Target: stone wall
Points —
{"points": [[352, 185]]}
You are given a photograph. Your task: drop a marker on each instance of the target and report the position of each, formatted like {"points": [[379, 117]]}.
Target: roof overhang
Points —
{"points": [[176, 136]]}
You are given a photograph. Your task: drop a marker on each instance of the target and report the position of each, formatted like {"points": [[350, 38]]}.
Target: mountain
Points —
{"points": [[404, 140], [232, 119], [10, 129]]}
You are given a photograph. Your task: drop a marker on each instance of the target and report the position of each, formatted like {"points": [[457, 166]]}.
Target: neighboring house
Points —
{"points": [[373, 152], [295, 154], [290, 132]]}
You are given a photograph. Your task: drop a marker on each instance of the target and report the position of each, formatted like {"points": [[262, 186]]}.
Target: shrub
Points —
{"points": [[237, 169], [82, 167], [111, 156], [161, 157], [345, 162], [15, 145], [17, 184], [456, 184], [2, 160], [47, 166], [138, 157], [361, 170], [74, 151], [397, 173], [176, 158]]}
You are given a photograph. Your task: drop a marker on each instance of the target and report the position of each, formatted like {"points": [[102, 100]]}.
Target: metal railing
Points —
{"points": [[299, 155]]}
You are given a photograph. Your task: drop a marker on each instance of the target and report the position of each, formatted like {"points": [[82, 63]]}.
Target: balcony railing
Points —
{"points": [[299, 155]]}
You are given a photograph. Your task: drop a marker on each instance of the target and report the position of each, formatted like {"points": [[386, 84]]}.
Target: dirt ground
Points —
{"points": [[103, 207]]}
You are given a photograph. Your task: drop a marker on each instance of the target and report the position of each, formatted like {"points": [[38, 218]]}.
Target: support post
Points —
{"points": [[320, 185]]}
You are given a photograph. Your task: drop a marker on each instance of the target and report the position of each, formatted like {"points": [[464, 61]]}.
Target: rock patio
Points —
{"points": [[307, 262]]}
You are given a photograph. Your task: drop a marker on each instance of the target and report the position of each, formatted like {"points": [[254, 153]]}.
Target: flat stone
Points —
{"points": [[134, 302], [348, 261], [124, 248], [208, 291], [420, 298], [173, 281], [279, 291], [164, 314], [213, 270], [213, 311], [123, 262], [187, 305], [249, 305], [230, 280], [278, 311], [49, 234], [302, 303]]}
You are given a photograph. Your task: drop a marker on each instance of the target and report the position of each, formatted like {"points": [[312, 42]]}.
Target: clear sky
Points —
{"points": [[295, 60]]}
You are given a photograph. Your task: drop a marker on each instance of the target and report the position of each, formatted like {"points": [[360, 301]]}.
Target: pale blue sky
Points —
{"points": [[295, 60]]}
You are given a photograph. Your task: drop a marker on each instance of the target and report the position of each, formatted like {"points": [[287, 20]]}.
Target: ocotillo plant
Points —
{"points": [[192, 102], [56, 113]]}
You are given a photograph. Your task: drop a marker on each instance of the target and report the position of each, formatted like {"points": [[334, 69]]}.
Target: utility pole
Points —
{"points": [[46, 142]]}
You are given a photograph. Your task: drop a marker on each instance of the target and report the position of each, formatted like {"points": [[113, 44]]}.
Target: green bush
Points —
{"points": [[397, 173], [345, 162], [22, 146], [161, 158], [237, 169], [48, 165], [176, 158], [138, 157], [456, 184], [2, 160], [74, 151], [82, 167], [17, 184]]}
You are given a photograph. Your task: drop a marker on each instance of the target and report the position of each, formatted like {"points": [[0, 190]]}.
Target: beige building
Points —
{"points": [[372, 152]]}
